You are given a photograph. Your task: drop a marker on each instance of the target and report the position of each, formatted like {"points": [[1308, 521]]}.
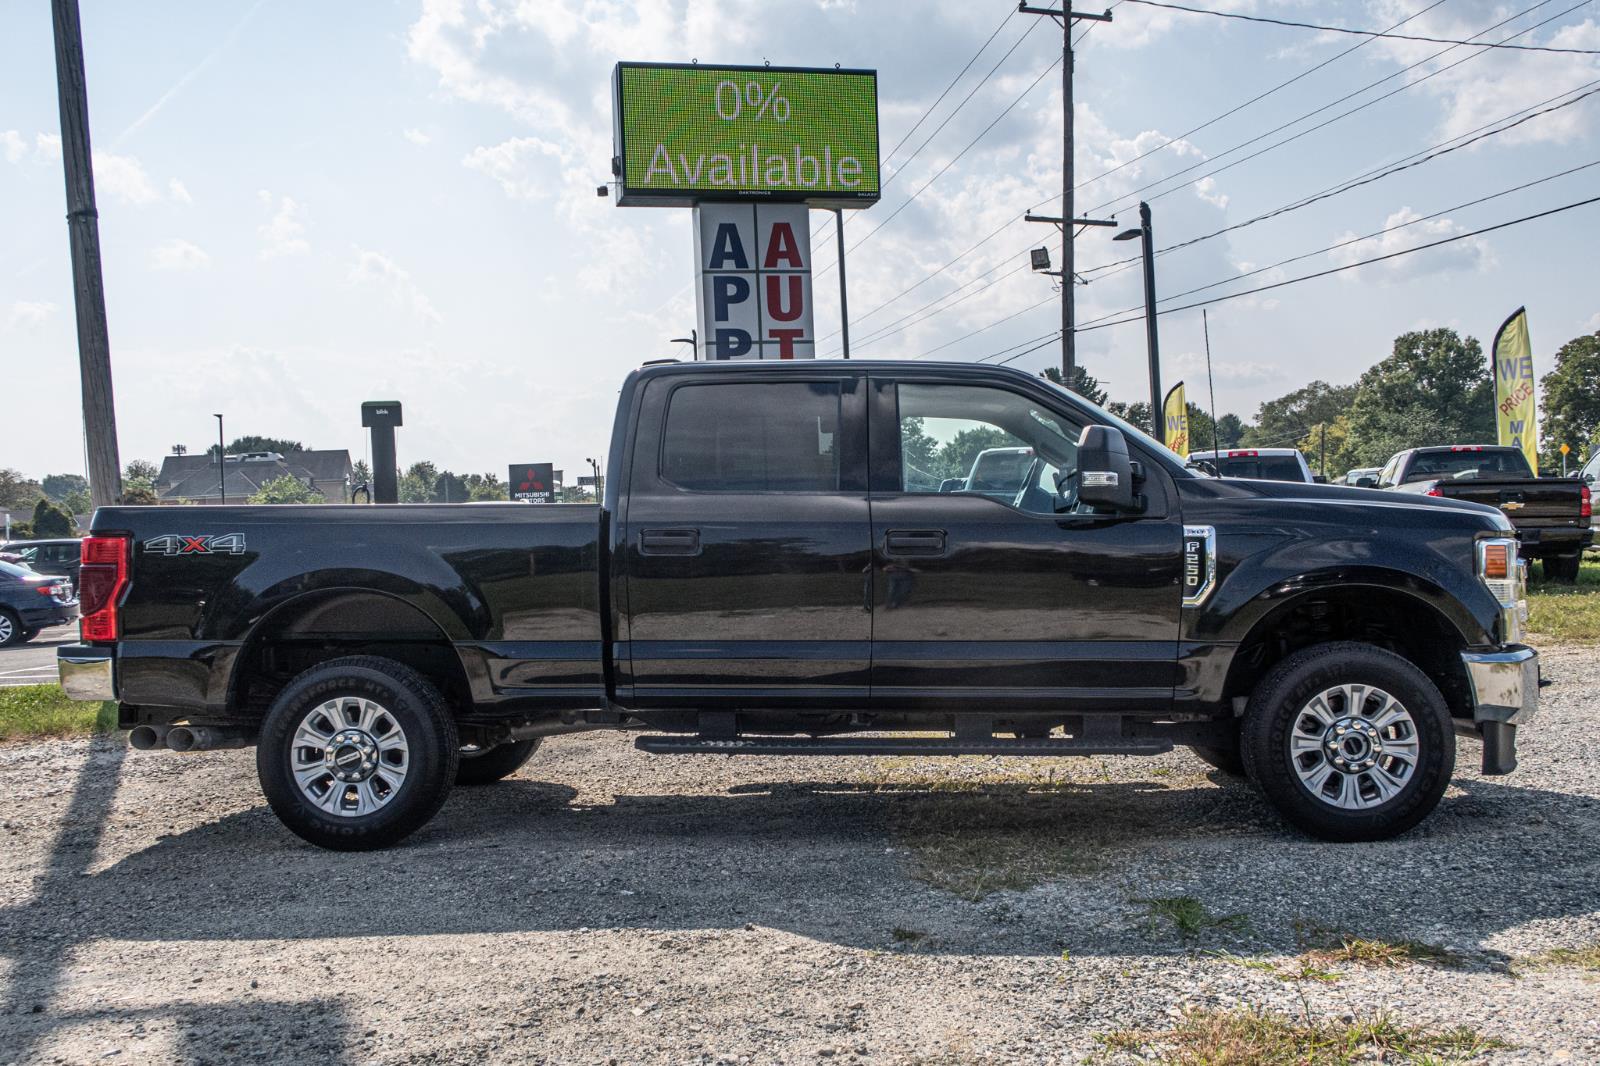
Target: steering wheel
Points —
{"points": [[1067, 489]]}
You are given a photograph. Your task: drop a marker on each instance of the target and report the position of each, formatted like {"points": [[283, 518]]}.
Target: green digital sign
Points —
{"points": [[691, 133]]}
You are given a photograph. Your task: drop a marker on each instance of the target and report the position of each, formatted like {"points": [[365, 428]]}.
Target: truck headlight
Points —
{"points": [[1505, 576]]}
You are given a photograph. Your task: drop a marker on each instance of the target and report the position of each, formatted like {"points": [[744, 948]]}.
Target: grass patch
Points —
{"points": [[1189, 915], [1565, 613], [1587, 959], [1262, 1038], [1370, 952], [907, 936], [44, 711]]}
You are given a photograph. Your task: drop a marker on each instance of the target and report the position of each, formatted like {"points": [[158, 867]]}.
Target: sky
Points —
{"points": [[307, 205]]}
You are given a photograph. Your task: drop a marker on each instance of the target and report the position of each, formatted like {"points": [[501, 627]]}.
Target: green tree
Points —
{"points": [[138, 495], [450, 488], [416, 485], [18, 492], [1138, 412], [241, 445], [59, 486], [1570, 404], [1083, 383], [1435, 388], [485, 487], [360, 473], [78, 502], [1335, 436], [1230, 431], [51, 521], [955, 458], [287, 489], [919, 455], [141, 470], [1280, 422]]}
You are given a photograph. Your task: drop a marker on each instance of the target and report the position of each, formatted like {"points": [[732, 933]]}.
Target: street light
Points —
{"points": [[692, 340], [222, 471], [1152, 343]]}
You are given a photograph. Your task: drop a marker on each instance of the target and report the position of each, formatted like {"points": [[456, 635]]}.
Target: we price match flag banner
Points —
{"points": [[1513, 387], [1175, 421]]}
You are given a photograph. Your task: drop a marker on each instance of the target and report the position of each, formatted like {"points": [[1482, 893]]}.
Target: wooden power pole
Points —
{"points": [[88, 287]]}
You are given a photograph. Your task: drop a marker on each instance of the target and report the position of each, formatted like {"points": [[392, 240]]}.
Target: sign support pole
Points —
{"points": [[844, 297]]}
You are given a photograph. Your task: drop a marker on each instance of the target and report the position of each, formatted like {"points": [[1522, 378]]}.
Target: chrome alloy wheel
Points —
{"points": [[350, 756], [1354, 746]]}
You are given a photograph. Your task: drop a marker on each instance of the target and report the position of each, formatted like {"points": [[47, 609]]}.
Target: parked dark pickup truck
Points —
{"points": [[1552, 516], [760, 579]]}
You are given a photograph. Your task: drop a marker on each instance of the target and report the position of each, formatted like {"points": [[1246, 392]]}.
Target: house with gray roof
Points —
{"points": [[195, 479]]}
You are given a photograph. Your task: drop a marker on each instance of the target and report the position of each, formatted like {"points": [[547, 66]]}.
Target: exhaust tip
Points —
{"points": [[181, 738], [144, 738]]}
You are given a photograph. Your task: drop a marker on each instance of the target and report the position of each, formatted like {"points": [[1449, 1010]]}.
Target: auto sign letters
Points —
{"points": [[754, 291]]}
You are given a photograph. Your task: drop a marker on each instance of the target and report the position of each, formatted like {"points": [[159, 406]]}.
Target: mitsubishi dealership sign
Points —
{"points": [[687, 133]]}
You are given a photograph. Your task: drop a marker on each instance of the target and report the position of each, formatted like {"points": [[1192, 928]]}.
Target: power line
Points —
{"points": [[1357, 240], [985, 329], [1488, 129], [894, 327], [1240, 107], [1030, 351], [1351, 266], [1360, 33]]}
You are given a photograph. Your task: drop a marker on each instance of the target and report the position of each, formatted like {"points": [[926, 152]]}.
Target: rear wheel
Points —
{"points": [[10, 629], [1349, 742], [357, 753], [485, 766], [1563, 568]]}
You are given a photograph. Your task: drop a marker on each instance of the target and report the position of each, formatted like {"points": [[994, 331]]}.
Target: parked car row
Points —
{"points": [[31, 601], [59, 557]]}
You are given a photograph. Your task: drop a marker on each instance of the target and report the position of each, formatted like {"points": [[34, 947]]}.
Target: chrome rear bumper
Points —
{"points": [[87, 673]]}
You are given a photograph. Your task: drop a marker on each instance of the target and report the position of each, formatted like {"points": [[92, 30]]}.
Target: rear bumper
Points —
{"points": [[1560, 540], [1505, 694], [55, 614], [87, 673]]}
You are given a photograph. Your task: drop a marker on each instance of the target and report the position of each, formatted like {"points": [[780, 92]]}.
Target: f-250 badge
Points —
{"points": [[182, 544]]}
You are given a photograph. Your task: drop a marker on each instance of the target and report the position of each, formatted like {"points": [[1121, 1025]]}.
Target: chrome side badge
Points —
{"points": [[1199, 563]]}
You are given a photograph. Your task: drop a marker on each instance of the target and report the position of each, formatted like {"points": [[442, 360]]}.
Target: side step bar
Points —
{"points": [[698, 745]]}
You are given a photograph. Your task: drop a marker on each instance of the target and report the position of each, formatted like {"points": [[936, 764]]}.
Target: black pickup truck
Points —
{"points": [[1552, 515], [762, 577]]}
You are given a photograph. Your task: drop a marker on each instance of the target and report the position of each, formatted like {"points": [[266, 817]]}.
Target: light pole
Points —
{"points": [[1152, 342], [692, 340], [222, 470]]}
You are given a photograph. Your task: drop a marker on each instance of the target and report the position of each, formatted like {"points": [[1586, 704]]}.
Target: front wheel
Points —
{"points": [[1349, 742], [485, 766], [357, 753]]}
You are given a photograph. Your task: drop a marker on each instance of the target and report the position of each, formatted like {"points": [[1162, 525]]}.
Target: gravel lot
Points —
{"points": [[607, 906]]}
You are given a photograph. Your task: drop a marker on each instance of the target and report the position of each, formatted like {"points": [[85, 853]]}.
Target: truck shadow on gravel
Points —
{"points": [[881, 868]]}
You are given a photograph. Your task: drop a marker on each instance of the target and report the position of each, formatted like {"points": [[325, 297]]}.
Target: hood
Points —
{"points": [[1346, 496]]}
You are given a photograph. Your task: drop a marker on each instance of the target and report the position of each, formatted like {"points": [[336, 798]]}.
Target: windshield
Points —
{"points": [[1435, 466]]}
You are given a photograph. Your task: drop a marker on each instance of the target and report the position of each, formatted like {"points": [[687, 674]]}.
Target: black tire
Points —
{"points": [[10, 629], [487, 765], [1563, 568], [413, 704], [1277, 704], [1228, 760]]}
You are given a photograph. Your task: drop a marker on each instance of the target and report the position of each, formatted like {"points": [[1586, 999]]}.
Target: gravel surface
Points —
{"points": [[609, 906]]}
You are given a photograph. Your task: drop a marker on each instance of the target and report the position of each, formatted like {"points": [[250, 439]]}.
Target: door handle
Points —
{"points": [[669, 542], [924, 542]]}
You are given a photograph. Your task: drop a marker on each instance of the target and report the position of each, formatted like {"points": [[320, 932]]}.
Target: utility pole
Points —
{"points": [[88, 287], [222, 464], [1067, 17]]}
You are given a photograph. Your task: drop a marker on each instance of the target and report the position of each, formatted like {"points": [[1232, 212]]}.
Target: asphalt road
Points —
{"points": [[34, 663]]}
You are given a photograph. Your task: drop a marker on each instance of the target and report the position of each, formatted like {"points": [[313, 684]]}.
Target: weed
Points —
{"points": [[1189, 915]]}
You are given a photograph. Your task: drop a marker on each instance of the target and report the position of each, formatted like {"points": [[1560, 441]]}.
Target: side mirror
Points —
{"points": [[1366, 482], [951, 484], [1105, 473]]}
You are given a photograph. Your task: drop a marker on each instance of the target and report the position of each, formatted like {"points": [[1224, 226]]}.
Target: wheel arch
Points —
{"points": [[332, 623]]}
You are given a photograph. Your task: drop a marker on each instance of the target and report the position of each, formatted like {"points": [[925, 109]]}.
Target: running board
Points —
{"points": [[696, 745]]}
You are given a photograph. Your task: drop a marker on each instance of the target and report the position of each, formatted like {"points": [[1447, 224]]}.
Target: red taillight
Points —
{"points": [[1586, 504], [44, 590], [1466, 447], [101, 580], [1434, 491], [1241, 454]]}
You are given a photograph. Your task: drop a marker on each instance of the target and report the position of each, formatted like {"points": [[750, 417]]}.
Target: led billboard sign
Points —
{"points": [[689, 133]]}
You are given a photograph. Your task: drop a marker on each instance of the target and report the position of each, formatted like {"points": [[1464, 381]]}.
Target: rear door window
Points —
{"points": [[768, 437]]}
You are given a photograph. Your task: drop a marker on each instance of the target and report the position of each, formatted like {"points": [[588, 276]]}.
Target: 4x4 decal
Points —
{"points": [[183, 544]]}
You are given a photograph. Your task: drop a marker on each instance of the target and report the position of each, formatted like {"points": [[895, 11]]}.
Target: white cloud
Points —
{"points": [[1206, 189], [179, 192], [511, 163], [376, 269], [123, 177], [26, 314], [1593, 325], [178, 254], [1407, 230], [47, 146], [416, 137], [13, 144], [284, 233]]}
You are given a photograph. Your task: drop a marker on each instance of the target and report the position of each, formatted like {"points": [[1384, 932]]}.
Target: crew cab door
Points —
{"points": [[988, 596], [746, 542]]}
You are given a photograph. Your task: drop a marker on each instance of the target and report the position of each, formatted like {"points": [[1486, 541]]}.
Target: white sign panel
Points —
{"points": [[754, 291]]}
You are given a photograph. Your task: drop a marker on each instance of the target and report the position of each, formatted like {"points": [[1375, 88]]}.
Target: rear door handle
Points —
{"points": [[669, 542], [924, 542]]}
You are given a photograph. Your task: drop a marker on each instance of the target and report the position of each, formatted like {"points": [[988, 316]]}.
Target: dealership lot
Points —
{"points": [[34, 663], [606, 905]]}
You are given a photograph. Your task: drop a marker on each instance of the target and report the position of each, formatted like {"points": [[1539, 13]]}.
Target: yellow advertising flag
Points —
{"points": [[1512, 358], [1175, 419]]}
